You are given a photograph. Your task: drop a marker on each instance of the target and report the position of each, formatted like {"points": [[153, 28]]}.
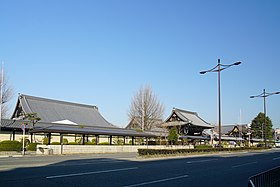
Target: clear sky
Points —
{"points": [[101, 52]]}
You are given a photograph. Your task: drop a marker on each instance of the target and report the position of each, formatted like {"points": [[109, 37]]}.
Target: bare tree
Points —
{"points": [[146, 107], [7, 95]]}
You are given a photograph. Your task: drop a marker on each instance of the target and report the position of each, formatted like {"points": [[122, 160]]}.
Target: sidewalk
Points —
{"points": [[5, 154]]}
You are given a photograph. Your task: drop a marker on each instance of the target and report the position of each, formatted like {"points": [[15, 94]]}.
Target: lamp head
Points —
{"points": [[252, 97], [202, 72], [237, 63]]}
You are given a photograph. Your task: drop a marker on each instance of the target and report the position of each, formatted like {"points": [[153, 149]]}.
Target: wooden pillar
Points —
{"points": [[124, 140], [31, 134], [14, 135], [110, 139], [61, 139], [147, 140], [49, 138], [97, 140], [83, 140], [61, 143], [132, 140]]}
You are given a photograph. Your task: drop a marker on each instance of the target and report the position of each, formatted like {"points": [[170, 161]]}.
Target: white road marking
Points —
{"points": [[246, 164], [198, 161], [90, 173], [157, 181], [276, 158], [88, 163]]}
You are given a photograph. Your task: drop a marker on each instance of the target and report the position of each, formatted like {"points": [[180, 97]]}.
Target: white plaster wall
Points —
{"points": [[78, 149]]}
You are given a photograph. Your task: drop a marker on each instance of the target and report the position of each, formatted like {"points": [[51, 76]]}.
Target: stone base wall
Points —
{"points": [[79, 149]]}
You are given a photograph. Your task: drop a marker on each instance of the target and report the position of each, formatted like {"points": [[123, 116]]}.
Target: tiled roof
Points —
{"points": [[12, 124], [53, 110], [228, 128], [192, 118]]}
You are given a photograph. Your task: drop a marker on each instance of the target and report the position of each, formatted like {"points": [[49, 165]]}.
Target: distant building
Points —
{"points": [[155, 129], [235, 132], [189, 125], [277, 134]]}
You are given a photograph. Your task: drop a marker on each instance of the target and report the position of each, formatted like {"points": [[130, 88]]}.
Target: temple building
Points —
{"points": [[188, 124], [61, 119], [155, 127]]}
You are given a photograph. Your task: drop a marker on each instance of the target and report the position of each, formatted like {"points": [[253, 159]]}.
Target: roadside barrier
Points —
{"points": [[270, 178]]}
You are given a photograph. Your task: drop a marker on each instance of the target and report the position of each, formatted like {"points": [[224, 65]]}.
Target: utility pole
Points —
{"points": [[264, 95]]}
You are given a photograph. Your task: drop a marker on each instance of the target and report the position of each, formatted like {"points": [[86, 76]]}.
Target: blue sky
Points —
{"points": [[102, 52]]}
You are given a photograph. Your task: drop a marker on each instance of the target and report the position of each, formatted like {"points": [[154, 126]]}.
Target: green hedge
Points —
{"points": [[65, 141], [203, 147], [55, 143], [32, 147], [104, 143], [144, 152], [73, 143], [89, 143], [8, 145]]}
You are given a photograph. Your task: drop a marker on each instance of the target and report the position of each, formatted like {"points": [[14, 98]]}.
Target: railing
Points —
{"points": [[270, 178]]}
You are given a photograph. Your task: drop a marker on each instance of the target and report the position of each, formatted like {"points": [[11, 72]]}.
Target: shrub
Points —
{"points": [[118, 141], [26, 141], [73, 143], [93, 141], [55, 143], [143, 152], [173, 136], [45, 141], [79, 140], [89, 143], [65, 141], [203, 147], [152, 143], [162, 142], [32, 147], [8, 145], [104, 143]]}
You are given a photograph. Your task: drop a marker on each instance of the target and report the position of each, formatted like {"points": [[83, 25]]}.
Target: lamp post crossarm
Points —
{"points": [[229, 65], [265, 94], [210, 70], [274, 93], [222, 67]]}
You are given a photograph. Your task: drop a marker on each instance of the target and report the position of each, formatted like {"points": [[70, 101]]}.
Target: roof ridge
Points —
{"points": [[57, 101], [190, 112], [187, 111]]}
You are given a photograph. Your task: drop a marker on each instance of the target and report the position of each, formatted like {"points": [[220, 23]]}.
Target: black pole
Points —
{"points": [[265, 127], [219, 99]]}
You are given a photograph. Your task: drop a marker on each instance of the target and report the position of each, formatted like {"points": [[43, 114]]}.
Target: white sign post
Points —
{"points": [[23, 137], [249, 138]]}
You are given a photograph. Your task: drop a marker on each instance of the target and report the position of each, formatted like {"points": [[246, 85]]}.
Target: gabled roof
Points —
{"points": [[135, 123], [190, 118], [51, 111], [156, 127], [225, 129]]}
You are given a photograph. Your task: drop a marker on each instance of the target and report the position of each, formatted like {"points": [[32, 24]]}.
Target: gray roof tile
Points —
{"points": [[53, 110], [191, 117]]}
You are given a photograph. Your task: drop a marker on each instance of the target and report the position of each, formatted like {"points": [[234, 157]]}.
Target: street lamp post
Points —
{"points": [[264, 94], [218, 68]]}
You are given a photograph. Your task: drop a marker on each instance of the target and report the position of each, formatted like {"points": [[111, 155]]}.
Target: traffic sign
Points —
{"points": [[23, 127]]}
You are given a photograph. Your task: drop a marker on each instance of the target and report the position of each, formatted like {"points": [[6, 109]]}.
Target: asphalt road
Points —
{"points": [[126, 170]]}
